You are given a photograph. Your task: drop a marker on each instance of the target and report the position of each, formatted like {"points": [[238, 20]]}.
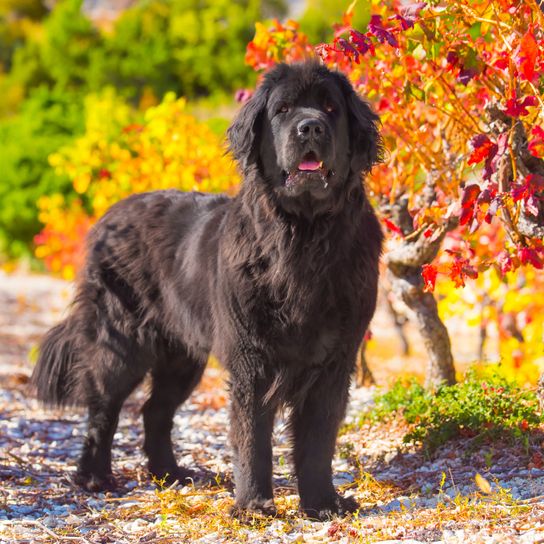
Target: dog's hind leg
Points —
{"points": [[106, 393], [173, 381]]}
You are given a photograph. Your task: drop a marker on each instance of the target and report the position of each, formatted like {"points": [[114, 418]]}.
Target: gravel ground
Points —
{"points": [[404, 497]]}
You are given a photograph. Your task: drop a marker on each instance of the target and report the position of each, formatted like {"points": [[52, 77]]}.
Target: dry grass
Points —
{"points": [[189, 514]]}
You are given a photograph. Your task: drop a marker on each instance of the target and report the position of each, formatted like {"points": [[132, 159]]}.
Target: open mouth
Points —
{"points": [[310, 163], [310, 173]]}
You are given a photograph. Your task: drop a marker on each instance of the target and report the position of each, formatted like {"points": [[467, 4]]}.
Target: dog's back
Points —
{"points": [[129, 293]]}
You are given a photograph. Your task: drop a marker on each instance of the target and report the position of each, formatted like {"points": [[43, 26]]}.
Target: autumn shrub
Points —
{"points": [[121, 153], [484, 406], [48, 120], [459, 87]]}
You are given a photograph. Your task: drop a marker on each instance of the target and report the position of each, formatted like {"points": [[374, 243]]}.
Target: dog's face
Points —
{"points": [[307, 132]]}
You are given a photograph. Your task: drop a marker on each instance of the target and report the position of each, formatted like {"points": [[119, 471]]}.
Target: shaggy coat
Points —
{"points": [[278, 282]]}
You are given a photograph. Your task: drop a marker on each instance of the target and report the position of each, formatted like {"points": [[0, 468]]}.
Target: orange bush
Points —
{"points": [[119, 155]]}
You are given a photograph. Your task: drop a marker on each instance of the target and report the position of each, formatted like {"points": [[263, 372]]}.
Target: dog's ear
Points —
{"points": [[366, 145], [243, 132]]}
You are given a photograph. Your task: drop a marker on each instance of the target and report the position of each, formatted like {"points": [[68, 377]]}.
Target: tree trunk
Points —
{"points": [[398, 321], [404, 263], [363, 376], [409, 288]]}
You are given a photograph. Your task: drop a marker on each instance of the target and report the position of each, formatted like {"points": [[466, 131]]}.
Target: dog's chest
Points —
{"points": [[309, 334], [314, 346]]}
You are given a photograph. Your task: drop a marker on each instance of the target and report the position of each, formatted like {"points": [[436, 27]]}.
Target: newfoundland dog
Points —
{"points": [[278, 282]]}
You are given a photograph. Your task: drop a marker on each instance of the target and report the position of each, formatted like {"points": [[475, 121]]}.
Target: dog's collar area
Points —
{"points": [[307, 180]]}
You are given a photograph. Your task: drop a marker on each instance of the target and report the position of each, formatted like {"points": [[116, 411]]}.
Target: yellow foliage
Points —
{"points": [[511, 307], [118, 156]]}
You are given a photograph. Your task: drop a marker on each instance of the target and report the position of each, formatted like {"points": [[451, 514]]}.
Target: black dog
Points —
{"points": [[279, 283]]}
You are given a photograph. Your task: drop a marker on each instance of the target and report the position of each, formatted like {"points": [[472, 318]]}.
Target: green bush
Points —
{"points": [[48, 120], [480, 407], [64, 55], [191, 47], [317, 18], [16, 17]]}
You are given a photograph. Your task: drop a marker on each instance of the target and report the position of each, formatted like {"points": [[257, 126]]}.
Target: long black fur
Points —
{"points": [[278, 282]]}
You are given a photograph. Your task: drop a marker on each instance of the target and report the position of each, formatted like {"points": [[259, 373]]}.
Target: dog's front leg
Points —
{"points": [[315, 426], [251, 422]]}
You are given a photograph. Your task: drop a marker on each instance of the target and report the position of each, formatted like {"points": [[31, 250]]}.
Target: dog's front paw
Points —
{"points": [[336, 505], [246, 510], [95, 482]]}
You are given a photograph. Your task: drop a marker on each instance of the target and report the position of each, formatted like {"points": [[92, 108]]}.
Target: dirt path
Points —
{"points": [[404, 497]]}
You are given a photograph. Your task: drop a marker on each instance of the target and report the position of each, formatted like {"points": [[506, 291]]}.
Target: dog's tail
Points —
{"points": [[56, 373]]}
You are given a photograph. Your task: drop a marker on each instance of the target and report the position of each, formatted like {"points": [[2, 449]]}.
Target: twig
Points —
{"points": [[532, 500], [54, 535]]}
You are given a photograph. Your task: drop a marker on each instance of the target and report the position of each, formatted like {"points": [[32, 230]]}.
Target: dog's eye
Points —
{"points": [[329, 108], [284, 108]]}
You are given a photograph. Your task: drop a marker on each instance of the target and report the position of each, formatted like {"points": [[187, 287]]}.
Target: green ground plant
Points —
{"points": [[483, 406]]}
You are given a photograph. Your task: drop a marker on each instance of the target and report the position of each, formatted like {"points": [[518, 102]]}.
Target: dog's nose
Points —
{"points": [[311, 129]]}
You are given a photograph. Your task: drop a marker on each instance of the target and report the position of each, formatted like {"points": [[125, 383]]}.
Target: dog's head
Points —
{"points": [[306, 131]]}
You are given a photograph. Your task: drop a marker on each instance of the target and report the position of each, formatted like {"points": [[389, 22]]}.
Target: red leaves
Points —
{"points": [[482, 147], [468, 200], [528, 193], [460, 269], [391, 226], [483, 150], [470, 194], [467, 60], [361, 42], [533, 256], [466, 216], [493, 209], [353, 48], [343, 46], [516, 107], [429, 273], [502, 61], [526, 56], [536, 145], [408, 14], [382, 34], [357, 43], [529, 255], [505, 262], [495, 153]]}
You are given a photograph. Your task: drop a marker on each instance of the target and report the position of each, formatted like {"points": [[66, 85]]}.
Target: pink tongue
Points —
{"points": [[309, 165]]}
